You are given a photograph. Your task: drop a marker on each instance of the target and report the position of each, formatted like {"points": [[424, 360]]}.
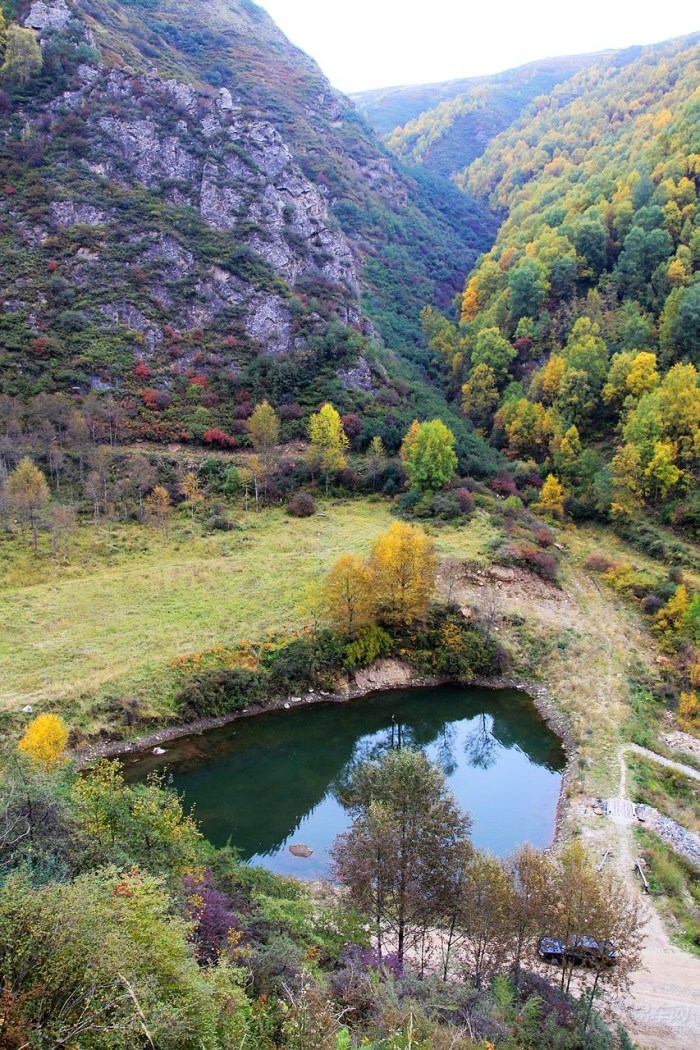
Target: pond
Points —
{"points": [[275, 780]]}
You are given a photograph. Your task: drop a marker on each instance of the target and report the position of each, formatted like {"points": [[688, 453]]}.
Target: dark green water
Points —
{"points": [[269, 781]]}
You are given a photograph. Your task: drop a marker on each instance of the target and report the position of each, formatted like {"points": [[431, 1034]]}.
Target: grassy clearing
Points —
{"points": [[108, 625], [591, 648], [676, 886], [670, 792]]}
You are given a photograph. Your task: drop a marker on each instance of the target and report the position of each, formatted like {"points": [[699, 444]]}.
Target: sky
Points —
{"points": [[364, 44]]}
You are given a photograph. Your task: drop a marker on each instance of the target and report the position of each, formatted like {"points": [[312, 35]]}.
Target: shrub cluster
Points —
{"points": [[218, 691], [528, 542], [443, 644], [301, 505], [446, 644]]}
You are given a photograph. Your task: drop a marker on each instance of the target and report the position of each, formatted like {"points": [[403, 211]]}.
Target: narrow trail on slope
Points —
{"points": [[669, 763], [664, 1012], [590, 677]]}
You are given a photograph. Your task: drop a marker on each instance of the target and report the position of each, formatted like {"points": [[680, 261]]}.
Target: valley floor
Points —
{"points": [[78, 637], [130, 601]]}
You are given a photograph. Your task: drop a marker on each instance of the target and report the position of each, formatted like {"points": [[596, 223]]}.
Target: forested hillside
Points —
{"points": [[579, 338], [445, 126], [193, 217]]}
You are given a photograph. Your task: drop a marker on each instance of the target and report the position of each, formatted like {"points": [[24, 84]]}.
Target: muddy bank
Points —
{"points": [[381, 676]]}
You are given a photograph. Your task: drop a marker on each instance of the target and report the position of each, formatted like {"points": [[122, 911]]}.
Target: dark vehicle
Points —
{"points": [[551, 950], [586, 951], [583, 951]]}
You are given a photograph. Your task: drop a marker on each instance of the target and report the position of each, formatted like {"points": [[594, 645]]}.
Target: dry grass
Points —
{"points": [[588, 646], [110, 623]]}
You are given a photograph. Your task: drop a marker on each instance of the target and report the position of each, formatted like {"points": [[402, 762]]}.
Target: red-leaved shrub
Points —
{"points": [[465, 499], [218, 437], [599, 561], [504, 485]]}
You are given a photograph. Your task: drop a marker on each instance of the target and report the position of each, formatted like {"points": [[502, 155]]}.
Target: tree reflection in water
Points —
{"points": [[265, 782], [480, 745]]}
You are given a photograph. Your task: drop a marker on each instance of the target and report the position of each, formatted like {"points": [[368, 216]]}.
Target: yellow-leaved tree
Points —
{"points": [[689, 710], [159, 507], [552, 497], [45, 740], [329, 442], [404, 565], [409, 442], [375, 458], [28, 492], [189, 487], [264, 430], [349, 594], [480, 395], [669, 619]]}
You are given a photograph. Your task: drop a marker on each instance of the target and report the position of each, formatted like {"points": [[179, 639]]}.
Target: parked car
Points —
{"points": [[551, 950], [587, 951], [582, 951]]}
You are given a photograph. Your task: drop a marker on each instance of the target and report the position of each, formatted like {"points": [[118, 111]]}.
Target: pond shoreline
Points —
{"points": [[382, 676], [115, 748]]}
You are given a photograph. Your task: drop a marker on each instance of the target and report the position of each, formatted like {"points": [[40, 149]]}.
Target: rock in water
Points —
{"points": [[298, 849]]}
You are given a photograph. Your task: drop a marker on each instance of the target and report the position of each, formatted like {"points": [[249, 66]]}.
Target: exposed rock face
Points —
{"points": [[384, 674], [357, 378], [235, 171], [71, 213], [132, 317], [54, 15], [191, 193], [267, 320]]}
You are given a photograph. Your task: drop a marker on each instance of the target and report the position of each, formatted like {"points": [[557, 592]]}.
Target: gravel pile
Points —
{"points": [[684, 842]]}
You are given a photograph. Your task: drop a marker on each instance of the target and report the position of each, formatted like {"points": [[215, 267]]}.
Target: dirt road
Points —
{"points": [[588, 674], [664, 1010]]}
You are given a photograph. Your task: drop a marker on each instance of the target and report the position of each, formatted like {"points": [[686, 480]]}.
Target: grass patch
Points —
{"points": [[105, 628], [667, 790], [643, 720], [676, 885]]}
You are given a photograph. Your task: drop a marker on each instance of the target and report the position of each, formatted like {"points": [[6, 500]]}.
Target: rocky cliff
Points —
{"points": [[186, 197]]}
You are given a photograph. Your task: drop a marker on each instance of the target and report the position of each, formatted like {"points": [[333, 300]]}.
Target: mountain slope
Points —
{"points": [[446, 126], [189, 203], [580, 330]]}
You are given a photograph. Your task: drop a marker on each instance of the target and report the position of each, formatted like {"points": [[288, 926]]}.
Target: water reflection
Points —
{"points": [[480, 745], [265, 782]]}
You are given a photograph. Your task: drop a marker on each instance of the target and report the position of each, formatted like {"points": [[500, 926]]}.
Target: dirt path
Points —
{"points": [[598, 642], [664, 1009], [687, 771]]}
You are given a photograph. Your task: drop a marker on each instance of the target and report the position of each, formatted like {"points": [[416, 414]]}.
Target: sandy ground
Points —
{"points": [[663, 1012]]}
